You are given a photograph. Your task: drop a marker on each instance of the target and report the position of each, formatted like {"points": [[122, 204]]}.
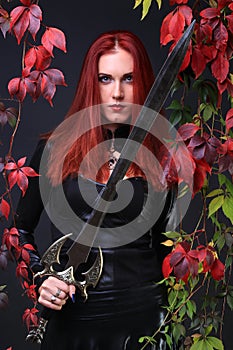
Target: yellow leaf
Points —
{"points": [[137, 3], [168, 243], [145, 8], [159, 2]]}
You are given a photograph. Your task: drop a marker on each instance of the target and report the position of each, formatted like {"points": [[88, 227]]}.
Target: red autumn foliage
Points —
{"points": [[22, 271], [226, 156], [30, 291], [184, 262], [4, 21], [30, 317], [18, 173], [23, 18], [7, 114], [10, 238], [53, 37], [4, 208], [37, 57]]}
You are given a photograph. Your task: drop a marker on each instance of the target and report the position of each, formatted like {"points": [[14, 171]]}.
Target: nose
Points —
{"points": [[117, 92]]}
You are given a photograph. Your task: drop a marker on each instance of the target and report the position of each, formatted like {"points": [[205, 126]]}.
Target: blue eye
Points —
{"points": [[104, 78], [128, 78]]}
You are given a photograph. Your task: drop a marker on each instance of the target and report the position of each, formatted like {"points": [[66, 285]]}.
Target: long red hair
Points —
{"points": [[87, 94]]}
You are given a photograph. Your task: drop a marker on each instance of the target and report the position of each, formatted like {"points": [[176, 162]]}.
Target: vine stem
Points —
{"points": [[9, 155], [176, 312]]}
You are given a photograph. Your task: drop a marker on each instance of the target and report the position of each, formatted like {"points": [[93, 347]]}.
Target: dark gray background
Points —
{"points": [[82, 22]]}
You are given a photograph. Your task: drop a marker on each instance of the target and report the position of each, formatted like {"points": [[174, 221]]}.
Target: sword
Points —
{"points": [[78, 253]]}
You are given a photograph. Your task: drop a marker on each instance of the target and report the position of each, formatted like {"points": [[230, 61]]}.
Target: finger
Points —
{"points": [[72, 290], [49, 304], [54, 282]]}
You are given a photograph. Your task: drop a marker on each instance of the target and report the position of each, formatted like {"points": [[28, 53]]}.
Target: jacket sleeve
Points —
{"points": [[29, 210], [163, 222]]}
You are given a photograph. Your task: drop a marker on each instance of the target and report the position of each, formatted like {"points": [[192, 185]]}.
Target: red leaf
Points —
{"points": [[22, 182], [21, 161], [29, 317], [12, 178], [165, 35], [10, 238], [3, 117], [220, 67], [187, 12], [56, 76], [17, 88], [53, 37], [176, 25], [230, 22], [20, 26], [186, 131], [166, 267], [15, 14], [4, 21], [187, 57], [217, 270], [5, 208], [202, 167], [210, 12], [221, 37], [39, 57], [204, 34], [30, 291], [35, 16], [22, 271], [24, 18], [210, 52], [198, 62], [28, 171], [229, 119]]}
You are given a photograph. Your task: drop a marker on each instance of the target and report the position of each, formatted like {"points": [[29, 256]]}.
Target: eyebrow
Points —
{"points": [[110, 75]]}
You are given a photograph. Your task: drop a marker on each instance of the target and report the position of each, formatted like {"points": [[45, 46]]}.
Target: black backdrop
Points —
{"points": [[82, 22]]}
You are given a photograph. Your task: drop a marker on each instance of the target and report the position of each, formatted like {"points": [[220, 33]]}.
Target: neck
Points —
{"points": [[112, 127]]}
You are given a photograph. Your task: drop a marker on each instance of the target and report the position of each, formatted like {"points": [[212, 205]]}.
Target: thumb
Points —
{"points": [[72, 290]]}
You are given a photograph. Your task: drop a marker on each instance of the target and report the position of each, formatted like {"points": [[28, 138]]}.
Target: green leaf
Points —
{"points": [[230, 301], [208, 329], [12, 120], [172, 234], [215, 204], [228, 261], [191, 308], [215, 343], [2, 287], [227, 208], [175, 117], [207, 113], [168, 340], [201, 345], [216, 192], [175, 105], [178, 331]]}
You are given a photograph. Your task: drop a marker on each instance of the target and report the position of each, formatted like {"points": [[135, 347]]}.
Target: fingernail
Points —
{"points": [[73, 298]]}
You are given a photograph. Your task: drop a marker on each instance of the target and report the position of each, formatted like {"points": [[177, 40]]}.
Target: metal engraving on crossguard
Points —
{"points": [[51, 256], [78, 253]]}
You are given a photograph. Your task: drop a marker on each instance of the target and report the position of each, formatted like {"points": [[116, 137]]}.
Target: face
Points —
{"points": [[115, 75]]}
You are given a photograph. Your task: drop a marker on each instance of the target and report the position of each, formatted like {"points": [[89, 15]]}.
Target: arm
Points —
{"points": [[27, 216]]}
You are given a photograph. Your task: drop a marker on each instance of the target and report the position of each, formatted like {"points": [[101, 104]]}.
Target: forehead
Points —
{"points": [[116, 62]]}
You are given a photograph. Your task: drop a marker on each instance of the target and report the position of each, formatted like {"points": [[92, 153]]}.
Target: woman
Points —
{"points": [[126, 303]]}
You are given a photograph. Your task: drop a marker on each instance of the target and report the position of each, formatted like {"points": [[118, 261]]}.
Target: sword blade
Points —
{"points": [[78, 253]]}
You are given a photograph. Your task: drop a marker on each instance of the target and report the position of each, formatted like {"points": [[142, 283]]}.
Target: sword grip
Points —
{"points": [[36, 334]]}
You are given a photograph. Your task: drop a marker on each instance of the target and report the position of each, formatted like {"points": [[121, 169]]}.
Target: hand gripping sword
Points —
{"points": [[79, 253]]}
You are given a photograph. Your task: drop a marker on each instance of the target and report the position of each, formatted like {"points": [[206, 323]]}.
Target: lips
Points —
{"points": [[117, 107]]}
